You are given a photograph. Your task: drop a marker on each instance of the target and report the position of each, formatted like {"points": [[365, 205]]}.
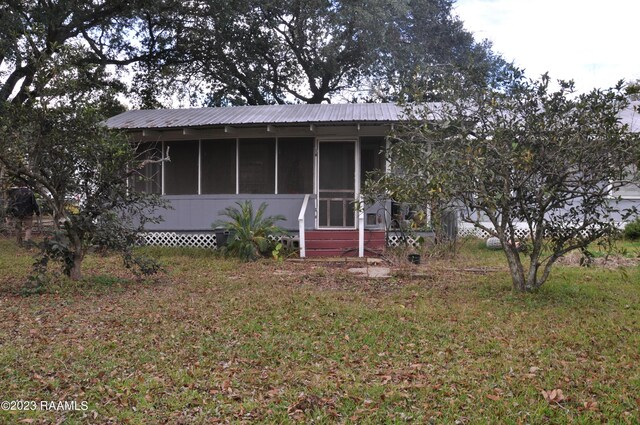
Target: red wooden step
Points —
{"points": [[324, 253], [338, 253], [344, 234], [331, 244], [342, 243], [331, 253], [331, 235], [323, 243]]}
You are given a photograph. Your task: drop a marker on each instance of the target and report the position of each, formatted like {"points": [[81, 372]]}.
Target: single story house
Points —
{"points": [[307, 162]]}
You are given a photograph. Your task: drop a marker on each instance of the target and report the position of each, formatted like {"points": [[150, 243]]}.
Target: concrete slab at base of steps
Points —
{"points": [[374, 272]]}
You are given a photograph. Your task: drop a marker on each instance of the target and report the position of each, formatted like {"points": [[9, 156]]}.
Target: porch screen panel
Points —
{"points": [[181, 173], [295, 165], [149, 178], [257, 162], [371, 156], [218, 164], [337, 169]]}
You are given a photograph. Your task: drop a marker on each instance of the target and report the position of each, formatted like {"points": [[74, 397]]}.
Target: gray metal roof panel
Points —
{"points": [[282, 114], [264, 114]]}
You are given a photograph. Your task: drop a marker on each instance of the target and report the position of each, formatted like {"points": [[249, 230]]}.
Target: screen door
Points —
{"points": [[336, 184]]}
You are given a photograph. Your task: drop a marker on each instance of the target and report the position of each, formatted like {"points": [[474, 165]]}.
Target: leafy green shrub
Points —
{"points": [[249, 232], [632, 230]]}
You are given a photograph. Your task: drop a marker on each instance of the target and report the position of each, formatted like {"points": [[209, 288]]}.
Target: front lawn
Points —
{"points": [[308, 342]]}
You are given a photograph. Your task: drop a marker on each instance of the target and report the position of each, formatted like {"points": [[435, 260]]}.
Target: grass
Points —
{"points": [[288, 342]]}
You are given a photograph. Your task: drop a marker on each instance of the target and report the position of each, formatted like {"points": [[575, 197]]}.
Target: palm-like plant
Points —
{"points": [[249, 231]]}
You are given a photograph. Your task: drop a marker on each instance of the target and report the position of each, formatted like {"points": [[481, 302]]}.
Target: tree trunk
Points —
{"points": [[516, 269], [57, 219], [76, 270], [78, 256], [532, 275]]}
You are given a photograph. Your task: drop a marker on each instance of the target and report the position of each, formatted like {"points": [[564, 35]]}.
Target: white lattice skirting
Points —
{"points": [[208, 240], [177, 239], [522, 231], [394, 240], [468, 230]]}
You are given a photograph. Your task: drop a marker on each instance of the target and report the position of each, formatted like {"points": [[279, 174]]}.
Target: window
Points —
{"points": [[295, 165], [181, 172], [218, 164], [149, 178], [371, 156], [257, 165]]}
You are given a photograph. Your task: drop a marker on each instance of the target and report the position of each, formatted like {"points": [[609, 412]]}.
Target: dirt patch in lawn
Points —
{"points": [[338, 274]]}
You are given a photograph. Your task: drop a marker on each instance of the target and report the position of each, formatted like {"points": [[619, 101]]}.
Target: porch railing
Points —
{"points": [[301, 226]]}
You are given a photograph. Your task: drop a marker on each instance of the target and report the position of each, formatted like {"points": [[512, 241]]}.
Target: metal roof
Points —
{"points": [[253, 115], [283, 114]]}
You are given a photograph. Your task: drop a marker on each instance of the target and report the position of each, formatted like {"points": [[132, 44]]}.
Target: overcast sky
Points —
{"points": [[594, 42]]}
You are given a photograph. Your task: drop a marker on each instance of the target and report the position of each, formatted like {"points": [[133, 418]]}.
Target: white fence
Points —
{"points": [[468, 229]]}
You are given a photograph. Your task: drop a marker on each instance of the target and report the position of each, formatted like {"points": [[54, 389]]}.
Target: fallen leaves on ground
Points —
{"points": [[554, 396]]}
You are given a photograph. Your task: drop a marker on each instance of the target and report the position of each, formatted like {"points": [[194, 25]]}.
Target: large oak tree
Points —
{"points": [[46, 44], [313, 51]]}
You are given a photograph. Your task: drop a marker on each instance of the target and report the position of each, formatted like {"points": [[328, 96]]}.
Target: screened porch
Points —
{"points": [[204, 176]]}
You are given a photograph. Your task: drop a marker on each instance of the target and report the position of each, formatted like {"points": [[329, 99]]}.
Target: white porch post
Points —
{"points": [[162, 170], [360, 227]]}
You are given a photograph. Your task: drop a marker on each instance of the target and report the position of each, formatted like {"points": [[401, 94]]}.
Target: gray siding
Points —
{"points": [[622, 205], [382, 214], [625, 204], [197, 212]]}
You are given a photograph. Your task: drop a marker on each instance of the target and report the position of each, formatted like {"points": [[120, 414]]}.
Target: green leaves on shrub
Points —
{"points": [[632, 230], [249, 231]]}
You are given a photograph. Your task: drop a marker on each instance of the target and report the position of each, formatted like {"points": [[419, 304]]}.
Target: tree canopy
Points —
{"points": [[528, 155], [239, 52], [312, 51], [45, 45]]}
